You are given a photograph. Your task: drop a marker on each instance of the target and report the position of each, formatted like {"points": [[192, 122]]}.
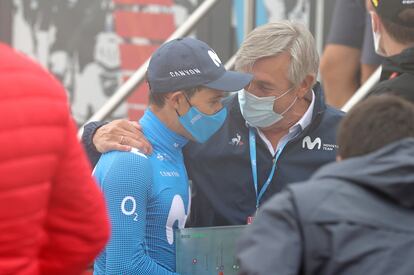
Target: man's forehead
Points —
{"points": [[270, 65], [211, 92], [268, 77]]}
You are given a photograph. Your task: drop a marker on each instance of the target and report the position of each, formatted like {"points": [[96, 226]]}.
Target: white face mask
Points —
{"points": [[258, 111]]}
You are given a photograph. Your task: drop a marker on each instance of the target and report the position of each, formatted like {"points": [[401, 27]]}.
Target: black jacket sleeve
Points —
{"points": [[87, 136], [272, 244]]}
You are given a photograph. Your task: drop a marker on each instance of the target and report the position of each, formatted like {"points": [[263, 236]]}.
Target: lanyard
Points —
{"points": [[252, 141]]}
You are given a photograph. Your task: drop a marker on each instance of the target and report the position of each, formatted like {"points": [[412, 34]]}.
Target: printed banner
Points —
{"points": [[93, 46]]}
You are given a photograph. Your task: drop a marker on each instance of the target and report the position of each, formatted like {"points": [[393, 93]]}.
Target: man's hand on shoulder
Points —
{"points": [[122, 135]]}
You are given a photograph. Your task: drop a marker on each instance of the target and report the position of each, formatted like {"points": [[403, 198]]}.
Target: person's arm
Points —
{"points": [[272, 244], [340, 66], [87, 141], [76, 223], [340, 62], [121, 135], [126, 180]]}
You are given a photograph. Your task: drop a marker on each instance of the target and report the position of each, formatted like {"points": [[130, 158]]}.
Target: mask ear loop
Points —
{"points": [[288, 90], [188, 101], [290, 106]]}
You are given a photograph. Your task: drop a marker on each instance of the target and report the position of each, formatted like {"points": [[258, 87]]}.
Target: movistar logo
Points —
{"points": [[308, 143], [214, 57]]}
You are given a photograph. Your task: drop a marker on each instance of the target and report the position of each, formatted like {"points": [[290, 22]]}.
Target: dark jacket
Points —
{"points": [[352, 217], [397, 76], [220, 169]]}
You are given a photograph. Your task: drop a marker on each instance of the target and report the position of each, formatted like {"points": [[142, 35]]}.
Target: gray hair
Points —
{"points": [[278, 37]]}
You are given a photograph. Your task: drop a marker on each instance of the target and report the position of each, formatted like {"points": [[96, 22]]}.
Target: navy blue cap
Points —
{"points": [[186, 63], [391, 10]]}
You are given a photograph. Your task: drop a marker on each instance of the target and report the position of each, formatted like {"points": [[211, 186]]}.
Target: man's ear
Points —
{"points": [[305, 86], [175, 99]]}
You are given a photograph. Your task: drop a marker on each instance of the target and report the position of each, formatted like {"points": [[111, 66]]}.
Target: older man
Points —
{"points": [[278, 130]]}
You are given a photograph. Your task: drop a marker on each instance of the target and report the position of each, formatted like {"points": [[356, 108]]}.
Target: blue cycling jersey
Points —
{"points": [[147, 198]]}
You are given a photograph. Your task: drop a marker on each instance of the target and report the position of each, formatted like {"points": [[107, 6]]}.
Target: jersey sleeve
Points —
{"points": [[126, 183]]}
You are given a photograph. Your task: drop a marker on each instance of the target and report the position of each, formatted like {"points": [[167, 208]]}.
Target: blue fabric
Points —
{"points": [[147, 197], [202, 126], [220, 169]]}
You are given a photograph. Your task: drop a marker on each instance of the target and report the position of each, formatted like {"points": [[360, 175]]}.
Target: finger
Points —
{"points": [[135, 124], [132, 143], [136, 135], [139, 126], [146, 146], [129, 126], [118, 147], [142, 145], [133, 136]]}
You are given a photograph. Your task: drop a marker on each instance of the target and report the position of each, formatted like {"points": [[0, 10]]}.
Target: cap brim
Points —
{"points": [[230, 82]]}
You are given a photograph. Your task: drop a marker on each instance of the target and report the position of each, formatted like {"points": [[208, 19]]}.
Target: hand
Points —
{"points": [[122, 135]]}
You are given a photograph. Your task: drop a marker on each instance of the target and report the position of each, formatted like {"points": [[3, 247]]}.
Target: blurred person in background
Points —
{"points": [[355, 216], [52, 215], [278, 130], [349, 57], [393, 28]]}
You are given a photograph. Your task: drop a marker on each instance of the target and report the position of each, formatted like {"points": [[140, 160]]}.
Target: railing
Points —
{"points": [[363, 90], [138, 77], [249, 16], [319, 24]]}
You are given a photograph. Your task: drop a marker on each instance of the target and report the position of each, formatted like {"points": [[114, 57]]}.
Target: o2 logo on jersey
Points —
{"points": [[129, 207]]}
